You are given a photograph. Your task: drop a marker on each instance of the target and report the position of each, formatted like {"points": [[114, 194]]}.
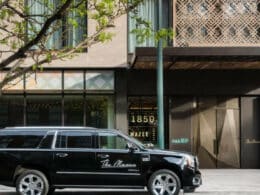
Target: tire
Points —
{"points": [[164, 181], [32, 180]]}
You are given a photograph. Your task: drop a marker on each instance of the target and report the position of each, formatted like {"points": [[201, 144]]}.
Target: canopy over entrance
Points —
{"points": [[198, 58]]}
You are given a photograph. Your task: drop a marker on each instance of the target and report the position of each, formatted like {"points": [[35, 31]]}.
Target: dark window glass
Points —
{"points": [[43, 110], [11, 111], [73, 110], [46, 142], [74, 140], [99, 111], [111, 141], [21, 139]]}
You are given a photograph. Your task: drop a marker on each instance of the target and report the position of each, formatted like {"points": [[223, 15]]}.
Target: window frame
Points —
{"points": [[64, 29]]}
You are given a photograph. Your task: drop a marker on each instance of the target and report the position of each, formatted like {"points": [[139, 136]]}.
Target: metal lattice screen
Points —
{"points": [[217, 23]]}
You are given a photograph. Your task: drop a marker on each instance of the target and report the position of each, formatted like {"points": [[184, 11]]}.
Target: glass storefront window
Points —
{"points": [[142, 119], [11, 111], [73, 80], [73, 110], [43, 110], [16, 84], [44, 81], [100, 111], [100, 80]]}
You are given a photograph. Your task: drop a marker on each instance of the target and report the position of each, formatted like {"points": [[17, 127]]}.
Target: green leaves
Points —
{"points": [[105, 37]]}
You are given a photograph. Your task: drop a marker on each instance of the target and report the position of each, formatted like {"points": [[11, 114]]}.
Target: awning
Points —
{"points": [[198, 58]]}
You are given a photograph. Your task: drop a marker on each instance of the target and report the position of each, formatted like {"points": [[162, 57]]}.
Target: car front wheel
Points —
{"points": [[32, 182], [164, 182]]}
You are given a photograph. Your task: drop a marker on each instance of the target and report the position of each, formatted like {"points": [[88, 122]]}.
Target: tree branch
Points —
{"points": [[21, 52]]}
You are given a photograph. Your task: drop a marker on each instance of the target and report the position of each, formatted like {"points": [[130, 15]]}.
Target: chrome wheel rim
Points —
{"points": [[31, 185], [164, 184]]}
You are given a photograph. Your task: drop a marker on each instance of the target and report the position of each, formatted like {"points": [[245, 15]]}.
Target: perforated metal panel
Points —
{"points": [[217, 23]]}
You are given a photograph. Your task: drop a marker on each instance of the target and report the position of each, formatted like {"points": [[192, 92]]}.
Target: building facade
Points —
{"points": [[211, 83]]}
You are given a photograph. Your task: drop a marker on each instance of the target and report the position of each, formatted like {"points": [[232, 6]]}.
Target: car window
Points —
{"points": [[74, 140], [111, 141], [46, 142], [25, 139]]}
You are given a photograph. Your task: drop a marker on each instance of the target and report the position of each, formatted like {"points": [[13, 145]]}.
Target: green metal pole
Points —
{"points": [[160, 105]]}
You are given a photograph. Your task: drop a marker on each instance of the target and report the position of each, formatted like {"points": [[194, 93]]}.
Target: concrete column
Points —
{"points": [[121, 100]]}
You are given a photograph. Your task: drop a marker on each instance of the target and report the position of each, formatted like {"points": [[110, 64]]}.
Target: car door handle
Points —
{"points": [[62, 155], [103, 155]]}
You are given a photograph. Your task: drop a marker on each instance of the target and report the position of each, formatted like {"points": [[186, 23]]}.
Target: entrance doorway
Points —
{"points": [[218, 133], [208, 127]]}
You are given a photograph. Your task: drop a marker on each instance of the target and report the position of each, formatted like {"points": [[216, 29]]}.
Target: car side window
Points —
{"points": [[74, 139], [25, 139], [112, 141]]}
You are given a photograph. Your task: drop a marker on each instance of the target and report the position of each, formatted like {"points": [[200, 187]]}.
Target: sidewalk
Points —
{"points": [[215, 182], [230, 181]]}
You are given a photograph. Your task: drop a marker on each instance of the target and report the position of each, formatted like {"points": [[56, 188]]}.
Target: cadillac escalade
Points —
{"points": [[38, 160]]}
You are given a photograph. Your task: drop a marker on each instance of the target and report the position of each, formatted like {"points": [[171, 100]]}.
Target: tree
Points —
{"points": [[26, 33]]}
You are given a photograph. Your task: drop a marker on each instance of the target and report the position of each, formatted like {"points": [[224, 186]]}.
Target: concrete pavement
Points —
{"points": [[215, 182]]}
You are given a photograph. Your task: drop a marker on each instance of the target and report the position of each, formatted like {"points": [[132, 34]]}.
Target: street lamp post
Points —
{"points": [[160, 105]]}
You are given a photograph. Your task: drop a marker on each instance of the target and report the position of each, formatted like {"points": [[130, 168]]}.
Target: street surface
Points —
{"points": [[215, 182]]}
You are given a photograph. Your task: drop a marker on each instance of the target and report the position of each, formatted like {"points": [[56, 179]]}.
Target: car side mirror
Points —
{"points": [[130, 147]]}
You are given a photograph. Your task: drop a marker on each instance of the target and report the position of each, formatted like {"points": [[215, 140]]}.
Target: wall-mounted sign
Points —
{"points": [[180, 141], [142, 119], [143, 125]]}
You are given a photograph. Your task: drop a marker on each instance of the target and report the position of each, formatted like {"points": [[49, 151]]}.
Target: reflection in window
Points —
{"points": [[74, 139], [111, 141], [73, 110], [100, 111], [11, 111], [44, 81], [73, 80], [99, 80], [43, 110], [16, 84]]}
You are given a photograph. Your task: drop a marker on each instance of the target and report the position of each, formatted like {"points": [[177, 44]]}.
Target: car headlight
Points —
{"points": [[189, 161]]}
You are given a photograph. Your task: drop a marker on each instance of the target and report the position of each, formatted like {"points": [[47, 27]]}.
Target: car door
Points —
{"points": [[117, 165], [74, 158]]}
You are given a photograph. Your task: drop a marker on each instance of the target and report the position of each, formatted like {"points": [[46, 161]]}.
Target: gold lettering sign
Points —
{"points": [[142, 125]]}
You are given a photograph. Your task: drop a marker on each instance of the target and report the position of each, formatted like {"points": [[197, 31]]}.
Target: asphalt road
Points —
{"points": [[215, 182]]}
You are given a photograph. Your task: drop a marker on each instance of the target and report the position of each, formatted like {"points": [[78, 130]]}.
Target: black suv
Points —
{"points": [[36, 160]]}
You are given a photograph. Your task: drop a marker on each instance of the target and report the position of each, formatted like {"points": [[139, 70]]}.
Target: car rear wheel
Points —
{"points": [[32, 182], [164, 182]]}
